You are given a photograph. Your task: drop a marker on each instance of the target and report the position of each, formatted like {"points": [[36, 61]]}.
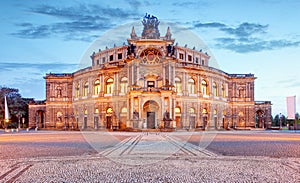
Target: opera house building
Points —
{"points": [[150, 83]]}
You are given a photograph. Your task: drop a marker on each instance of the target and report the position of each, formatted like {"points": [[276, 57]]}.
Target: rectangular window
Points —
{"points": [[197, 60], [189, 57], [111, 57], [119, 56], [103, 60], [98, 62], [181, 56]]}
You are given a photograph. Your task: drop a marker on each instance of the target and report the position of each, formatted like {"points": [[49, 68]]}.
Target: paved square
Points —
{"points": [[149, 157]]}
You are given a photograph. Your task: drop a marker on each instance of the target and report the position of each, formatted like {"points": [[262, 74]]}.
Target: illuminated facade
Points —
{"points": [[151, 83]]}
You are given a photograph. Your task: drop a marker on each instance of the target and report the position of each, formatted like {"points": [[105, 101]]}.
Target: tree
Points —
{"points": [[18, 106]]}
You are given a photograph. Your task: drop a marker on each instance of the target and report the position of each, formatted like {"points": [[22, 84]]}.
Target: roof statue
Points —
{"points": [[168, 34], [150, 27], [133, 34]]}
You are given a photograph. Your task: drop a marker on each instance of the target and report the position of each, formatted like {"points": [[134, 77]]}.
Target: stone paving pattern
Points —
{"points": [[230, 157]]}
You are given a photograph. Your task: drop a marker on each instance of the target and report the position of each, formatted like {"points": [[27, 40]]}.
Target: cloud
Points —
{"points": [[245, 37], [191, 4], [209, 25], [28, 77], [245, 29], [41, 68], [247, 45], [84, 20]]}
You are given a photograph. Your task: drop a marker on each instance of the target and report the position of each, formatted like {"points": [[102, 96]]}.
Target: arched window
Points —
{"points": [[85, 89], [109, 85], [96, 111], [109, 110], [97, 87], [223, 91], [178, 87], [77, 89], [215, 112], [85, 112], [215, 89], [191, 110], [204, 87], [191, 86], [124, 85], [124, 110]]}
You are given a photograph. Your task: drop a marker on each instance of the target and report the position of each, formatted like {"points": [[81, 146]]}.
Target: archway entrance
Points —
{"points": [[260, 123], [151, 109], [40, 119], [109, 121]]}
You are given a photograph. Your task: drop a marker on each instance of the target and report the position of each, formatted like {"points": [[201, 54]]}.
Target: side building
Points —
{"points": [[150, 83]]}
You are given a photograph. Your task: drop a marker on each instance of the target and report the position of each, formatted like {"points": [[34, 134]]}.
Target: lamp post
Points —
{"points": [[19, 119], [66, 118], [280, 121], [72, 118]]}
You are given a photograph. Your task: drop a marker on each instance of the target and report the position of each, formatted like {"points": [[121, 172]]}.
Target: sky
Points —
{"points": [[261, 37]]}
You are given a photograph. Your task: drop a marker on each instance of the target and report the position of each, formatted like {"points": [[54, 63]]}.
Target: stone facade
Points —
{"points": [[148, 84]]}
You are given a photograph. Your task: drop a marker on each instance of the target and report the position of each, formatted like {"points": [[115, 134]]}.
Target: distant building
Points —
{"points": [[150, 83]]}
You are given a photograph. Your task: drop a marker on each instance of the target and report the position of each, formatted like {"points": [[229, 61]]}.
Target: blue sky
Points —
{"points": [[258, 36]]}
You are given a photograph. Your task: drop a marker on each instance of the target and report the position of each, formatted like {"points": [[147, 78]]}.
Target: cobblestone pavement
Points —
{"points": [[149, 157]]}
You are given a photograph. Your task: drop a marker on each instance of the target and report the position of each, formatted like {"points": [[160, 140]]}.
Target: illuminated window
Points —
{"points": [[85, 89], [109, 110], [124, 85], [124, 110], [96, 111], [204, 87], [191, 86], [85, 112], [96, 87], [177, 110], [191, 110], [215, 112], [215, 89], [178, 87], [109, 86], [223, 91]]}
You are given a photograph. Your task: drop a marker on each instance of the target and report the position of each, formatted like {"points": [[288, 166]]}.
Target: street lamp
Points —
{"points": [[280, 121], [66, 118], [19, 120]]}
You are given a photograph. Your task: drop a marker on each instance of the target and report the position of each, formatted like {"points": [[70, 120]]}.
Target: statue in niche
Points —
{"points": [[167, 119], [58, 92], [135, 115]]}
